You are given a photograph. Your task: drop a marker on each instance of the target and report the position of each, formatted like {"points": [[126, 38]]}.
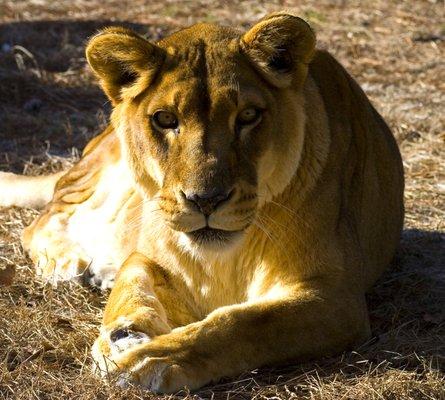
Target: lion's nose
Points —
{"points": [[208, 201]]}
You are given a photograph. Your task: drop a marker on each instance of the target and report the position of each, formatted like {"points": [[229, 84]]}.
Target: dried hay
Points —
{"points": [[50, 106]]}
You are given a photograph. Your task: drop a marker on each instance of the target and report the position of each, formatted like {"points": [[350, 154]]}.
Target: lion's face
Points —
{"points": [[211, 123]]}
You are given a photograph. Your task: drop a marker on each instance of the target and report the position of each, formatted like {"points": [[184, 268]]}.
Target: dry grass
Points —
{"points": [[50, 105]]}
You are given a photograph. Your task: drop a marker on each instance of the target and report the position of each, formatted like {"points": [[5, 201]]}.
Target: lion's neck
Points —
{"points": [[314, 153]]}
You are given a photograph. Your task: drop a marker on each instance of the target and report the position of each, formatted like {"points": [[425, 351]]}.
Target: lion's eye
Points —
{"points": [[165, 120], [248, 116]]}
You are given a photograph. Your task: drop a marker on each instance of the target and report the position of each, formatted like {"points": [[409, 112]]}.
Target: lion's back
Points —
{"points": [[368, 161]]}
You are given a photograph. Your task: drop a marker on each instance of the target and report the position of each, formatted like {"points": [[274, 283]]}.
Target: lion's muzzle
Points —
{"points": [[207, 202]]}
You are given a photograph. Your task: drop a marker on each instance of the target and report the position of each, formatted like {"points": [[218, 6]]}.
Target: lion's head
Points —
{"points": [[211, 120]]}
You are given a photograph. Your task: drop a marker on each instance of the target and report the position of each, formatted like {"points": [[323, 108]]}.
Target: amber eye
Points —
{"points": [[248, 116], [165, 120]]}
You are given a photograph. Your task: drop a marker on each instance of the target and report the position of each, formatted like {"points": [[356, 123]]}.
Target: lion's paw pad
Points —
{"points": [[123, 339]]}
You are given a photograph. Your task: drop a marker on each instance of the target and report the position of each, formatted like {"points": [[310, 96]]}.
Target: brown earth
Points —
{"points": [[50, 106]]}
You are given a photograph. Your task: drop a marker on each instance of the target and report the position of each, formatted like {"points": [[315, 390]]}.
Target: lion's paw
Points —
{"points": [[114, 341], [123, 339], [156, 375], [101, 275], [56, 262], [65, 264], [120, 353]]}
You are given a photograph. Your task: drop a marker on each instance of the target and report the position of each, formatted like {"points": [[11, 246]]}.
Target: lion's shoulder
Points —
{"points": [[79, 182]]}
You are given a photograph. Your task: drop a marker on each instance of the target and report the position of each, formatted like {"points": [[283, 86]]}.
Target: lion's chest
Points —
{"points": [[219, 280]]}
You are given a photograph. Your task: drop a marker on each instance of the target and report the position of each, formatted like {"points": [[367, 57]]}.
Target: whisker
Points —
{"points": [[273, 239], [136, 209], [290, 212], [137, 220], [282, 227]]}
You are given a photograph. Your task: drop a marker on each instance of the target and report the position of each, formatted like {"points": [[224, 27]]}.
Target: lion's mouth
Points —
{"points": [[210, 235]]}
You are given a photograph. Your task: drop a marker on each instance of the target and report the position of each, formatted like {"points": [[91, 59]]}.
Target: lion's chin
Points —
{"points": [[210, 240]]}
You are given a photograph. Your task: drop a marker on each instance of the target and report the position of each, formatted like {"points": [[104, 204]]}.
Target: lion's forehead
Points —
{"points": [[209, 89], [204, 63], [206, 34], [204, 72]]}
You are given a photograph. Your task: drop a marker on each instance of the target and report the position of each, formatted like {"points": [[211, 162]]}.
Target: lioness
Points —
{"points": [[248, 188]]}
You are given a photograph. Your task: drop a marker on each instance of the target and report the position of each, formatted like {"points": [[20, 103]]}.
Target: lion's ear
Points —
{"points": [[124, 61], [280, 46]]}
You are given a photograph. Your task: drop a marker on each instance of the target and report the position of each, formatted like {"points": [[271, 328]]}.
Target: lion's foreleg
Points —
{"points": [[237, 338], [142, 305]]}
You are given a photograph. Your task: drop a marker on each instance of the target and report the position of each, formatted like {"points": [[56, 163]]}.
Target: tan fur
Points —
{"points": [[317, 199], [15, 189]]}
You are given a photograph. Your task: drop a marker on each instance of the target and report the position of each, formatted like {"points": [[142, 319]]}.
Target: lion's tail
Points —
{"points": [[27, 191]]}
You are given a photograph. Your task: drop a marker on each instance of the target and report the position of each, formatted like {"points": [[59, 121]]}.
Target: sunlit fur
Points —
{"points": [[317, 204]]}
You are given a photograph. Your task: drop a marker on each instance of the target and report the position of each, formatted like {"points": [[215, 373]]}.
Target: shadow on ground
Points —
{"points": [[49, 100]]}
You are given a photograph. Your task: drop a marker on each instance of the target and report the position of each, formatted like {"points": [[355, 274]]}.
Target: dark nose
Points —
{"points": [[208, 201]]}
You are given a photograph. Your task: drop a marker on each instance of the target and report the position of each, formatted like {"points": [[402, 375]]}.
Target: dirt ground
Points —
{"points": [[50, 106]]}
